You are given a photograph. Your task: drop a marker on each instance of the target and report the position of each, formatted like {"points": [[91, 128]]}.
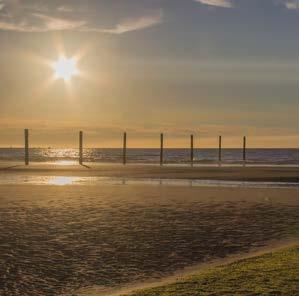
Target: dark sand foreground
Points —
{"points": [[56, 240]]}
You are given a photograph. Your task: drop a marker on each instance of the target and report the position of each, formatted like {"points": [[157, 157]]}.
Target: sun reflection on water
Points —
{"points": [[65, 162], [61, 181]]}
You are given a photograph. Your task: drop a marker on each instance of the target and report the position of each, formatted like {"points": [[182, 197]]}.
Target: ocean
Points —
{"points": [[152, 156]]}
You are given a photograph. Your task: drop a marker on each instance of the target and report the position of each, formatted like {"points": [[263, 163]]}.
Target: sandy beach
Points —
{"points": [[62, 239]]}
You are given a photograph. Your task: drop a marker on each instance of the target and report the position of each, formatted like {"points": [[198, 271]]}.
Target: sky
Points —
{"points": [[181, 67]]}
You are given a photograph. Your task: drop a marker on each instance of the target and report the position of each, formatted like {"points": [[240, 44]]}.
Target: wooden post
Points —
{"points": [[161, 149], [80, 147], [125, 149], [244, 151], [26, 134], [220, 150], [192, 150]]}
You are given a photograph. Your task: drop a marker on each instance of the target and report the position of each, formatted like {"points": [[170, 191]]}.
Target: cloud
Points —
{"points": [[219, 3], [57, 24], [46, 24], [112, 17], [65, 9], [292, 4], [137, 23]]}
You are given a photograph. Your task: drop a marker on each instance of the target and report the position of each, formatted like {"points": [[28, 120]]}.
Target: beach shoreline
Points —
{"points": [[225, 173]]}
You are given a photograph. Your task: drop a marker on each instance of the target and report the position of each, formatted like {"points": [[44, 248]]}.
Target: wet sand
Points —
{"points": [[60, 239], [231, 173]]}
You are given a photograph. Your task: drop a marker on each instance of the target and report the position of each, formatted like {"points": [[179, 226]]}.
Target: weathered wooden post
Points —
{"points": [[80, 147], [192, 150], [220, 150], [161, 149], [125, 149], [244, 151], [26, 134]]}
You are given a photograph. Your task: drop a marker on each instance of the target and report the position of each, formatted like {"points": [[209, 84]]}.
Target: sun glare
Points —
{"points": [[65, 68]]}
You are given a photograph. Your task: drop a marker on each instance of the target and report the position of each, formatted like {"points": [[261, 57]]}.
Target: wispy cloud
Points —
{"points": [[56, 24], [142, 22], [97, 16], [219, 3], [292, 4], [46, 24], [65, 9]]}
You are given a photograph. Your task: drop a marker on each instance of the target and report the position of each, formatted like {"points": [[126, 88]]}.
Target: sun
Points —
{"points": [[65, 68]]}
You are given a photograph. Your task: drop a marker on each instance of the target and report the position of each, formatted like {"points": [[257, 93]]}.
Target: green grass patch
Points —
{"points": [[271, 274]]}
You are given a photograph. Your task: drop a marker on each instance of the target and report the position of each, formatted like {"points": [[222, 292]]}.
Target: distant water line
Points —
{"points": [[150, 156]]}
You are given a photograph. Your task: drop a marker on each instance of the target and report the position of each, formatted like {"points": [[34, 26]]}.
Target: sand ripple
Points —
{"points": [[75, 239]]}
